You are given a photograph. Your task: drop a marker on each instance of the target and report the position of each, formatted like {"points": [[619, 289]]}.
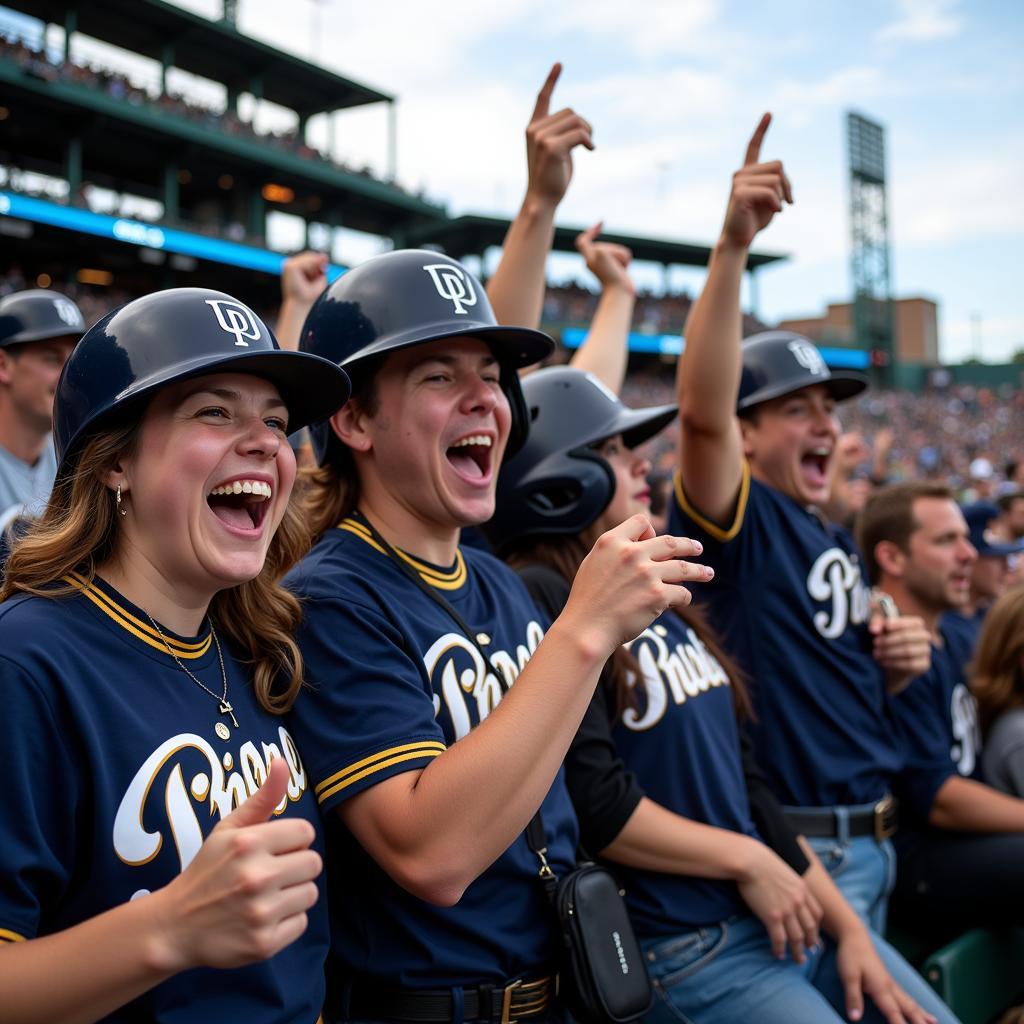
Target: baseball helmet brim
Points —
{"points": [[841, 385]]}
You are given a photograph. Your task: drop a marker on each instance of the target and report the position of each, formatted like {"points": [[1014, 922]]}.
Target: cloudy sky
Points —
{"points": [[673, 89]]}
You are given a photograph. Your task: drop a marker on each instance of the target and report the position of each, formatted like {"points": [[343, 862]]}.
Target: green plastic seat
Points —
{"points": [[980, 974]]}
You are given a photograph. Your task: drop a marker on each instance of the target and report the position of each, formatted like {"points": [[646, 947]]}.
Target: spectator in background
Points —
{"points": [[991, 572], [997, 681], [917, 548], [38, 330], [1010, 524]]}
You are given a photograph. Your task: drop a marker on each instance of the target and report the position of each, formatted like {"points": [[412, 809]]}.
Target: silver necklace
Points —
{"points": [[223, 704]]}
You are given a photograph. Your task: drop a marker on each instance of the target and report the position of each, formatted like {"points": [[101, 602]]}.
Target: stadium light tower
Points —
{"points": [[872, 299]]}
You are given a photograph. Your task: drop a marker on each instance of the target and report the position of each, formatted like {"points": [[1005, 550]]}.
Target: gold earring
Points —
{"points": [[123, 511]]}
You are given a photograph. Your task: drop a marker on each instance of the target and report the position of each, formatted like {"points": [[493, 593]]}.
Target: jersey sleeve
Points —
{"points": [[924, 736], [38, 810], [366, 713]]}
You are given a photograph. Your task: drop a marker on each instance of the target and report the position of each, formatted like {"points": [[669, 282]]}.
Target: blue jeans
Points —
{"points": [[727, 972], [865, 872]]}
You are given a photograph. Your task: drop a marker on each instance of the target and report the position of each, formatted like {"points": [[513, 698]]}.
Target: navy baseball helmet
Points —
{"points": [[978, 518], [38, 315], [777, 363], [169, 336], [558, 483], [411, 297]]}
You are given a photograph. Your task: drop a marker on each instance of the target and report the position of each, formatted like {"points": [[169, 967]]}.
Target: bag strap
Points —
{"points": [[535, 837]]}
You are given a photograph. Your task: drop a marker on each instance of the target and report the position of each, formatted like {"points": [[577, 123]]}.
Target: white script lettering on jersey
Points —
{"points": [[464, 677], [963, 712], [835, 577], [180, 804], [686, 670]]}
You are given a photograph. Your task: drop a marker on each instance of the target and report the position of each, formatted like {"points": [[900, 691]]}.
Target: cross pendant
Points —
{"points": [[225, 708]]}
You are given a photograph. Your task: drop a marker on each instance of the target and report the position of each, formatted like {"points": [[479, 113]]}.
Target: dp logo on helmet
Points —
{"points": [[236, 319], [453, 284]]}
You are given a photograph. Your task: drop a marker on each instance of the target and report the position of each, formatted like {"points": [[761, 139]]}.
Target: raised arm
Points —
{"points": [[708, 374], [303, 278], [434, 831], [516, 289], [604, 353]]}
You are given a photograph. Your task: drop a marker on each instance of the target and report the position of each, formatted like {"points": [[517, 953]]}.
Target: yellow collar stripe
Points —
{"points": [[142, 630], [442, 580], [9, 936], [722, 534], [376, 762]]}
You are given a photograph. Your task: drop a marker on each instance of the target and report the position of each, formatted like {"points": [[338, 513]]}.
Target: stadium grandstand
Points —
{"points": [[112, 187]]}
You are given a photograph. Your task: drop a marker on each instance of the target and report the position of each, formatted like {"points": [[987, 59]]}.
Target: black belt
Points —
{"points": [[878, 820], [519, 1000]]}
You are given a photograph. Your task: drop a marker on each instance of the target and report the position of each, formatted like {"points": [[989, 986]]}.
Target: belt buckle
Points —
{"points": [[885, 818], [506, 1002]]}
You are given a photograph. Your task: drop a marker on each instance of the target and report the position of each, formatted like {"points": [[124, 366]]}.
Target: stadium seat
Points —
{"points": [[980, 974]]}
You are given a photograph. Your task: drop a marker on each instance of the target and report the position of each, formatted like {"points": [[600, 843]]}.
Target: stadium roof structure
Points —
{"points": [[212, 49], [474, 234]]}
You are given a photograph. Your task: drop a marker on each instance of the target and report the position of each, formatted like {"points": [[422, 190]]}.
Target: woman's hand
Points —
{"points": [[782, 901], [629, 578], [244, 896], [863, 973]]}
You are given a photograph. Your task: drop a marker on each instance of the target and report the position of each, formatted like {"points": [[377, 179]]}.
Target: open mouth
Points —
{"points": [[471, 456], [814, 464], [241, 504]]}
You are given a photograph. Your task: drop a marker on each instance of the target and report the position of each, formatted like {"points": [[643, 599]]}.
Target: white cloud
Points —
{"points": [[646, 28], [944, 200], [924, 21]]}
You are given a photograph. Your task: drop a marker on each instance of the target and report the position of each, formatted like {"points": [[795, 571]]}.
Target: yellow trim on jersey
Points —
{"points": [[374, 763], [8, 936], [142, 630], [439, 578], [710, 528]]}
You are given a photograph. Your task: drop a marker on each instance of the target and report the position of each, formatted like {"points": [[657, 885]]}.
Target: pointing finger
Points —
{"points": [[543, 104], [754, 146]]}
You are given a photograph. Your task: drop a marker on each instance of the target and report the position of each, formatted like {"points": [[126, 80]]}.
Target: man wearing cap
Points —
{"points": [[918, 548], [38, 330], [759, 433], [991, 575]]}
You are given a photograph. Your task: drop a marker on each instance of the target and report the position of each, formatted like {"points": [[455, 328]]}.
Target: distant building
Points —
{"points": [[916, 322]]}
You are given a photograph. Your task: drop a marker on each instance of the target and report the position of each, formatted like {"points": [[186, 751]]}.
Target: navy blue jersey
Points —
{"points": [[393, 684], [114, 774], [966, 627], [791, 605], [938, 717], [682, 743]]}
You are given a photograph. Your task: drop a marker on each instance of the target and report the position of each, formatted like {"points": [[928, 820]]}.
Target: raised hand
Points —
{"points": [[245, 894], [629, 578], [304, 277], [607, 261], [901, 645], [550, 140], [758, 192]]}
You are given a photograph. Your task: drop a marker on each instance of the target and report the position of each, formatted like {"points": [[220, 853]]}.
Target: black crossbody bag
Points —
{"points": [[602, 978]]}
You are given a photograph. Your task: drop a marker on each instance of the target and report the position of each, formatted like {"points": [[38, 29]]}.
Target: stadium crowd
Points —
{"points": [[266, 596], [119, 86]]}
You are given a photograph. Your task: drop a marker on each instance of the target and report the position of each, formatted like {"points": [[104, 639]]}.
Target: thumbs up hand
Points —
{"points": [[244, 896]]}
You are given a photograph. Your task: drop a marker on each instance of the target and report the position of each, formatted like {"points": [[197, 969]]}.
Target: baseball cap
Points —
{"points": [[978, 517]]}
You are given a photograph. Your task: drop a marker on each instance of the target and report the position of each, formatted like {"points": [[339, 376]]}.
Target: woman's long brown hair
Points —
{"points": [[625, 677], [78, 532], [997, 672]]}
